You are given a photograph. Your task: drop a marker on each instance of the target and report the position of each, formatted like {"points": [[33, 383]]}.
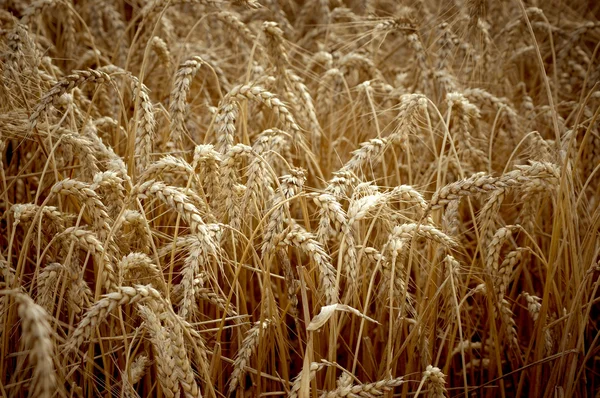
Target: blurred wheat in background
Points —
{"points": [[319, 198]]}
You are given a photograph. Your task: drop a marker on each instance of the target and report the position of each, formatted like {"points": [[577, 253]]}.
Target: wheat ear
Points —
{"points": [[249, 346], [66, 84], [38, 339], [102, 308]]}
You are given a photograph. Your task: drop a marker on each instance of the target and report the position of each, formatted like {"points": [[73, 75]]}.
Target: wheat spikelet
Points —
{"points": [[291, 184], [481, 96], [534, 306], [482, 183], [137, 369], [257, 93], [160, 47], [130, 227], [493, 249], [18, 42], [332, 80], [331, 216], [322, 59], [344, 384], [259, 180], [76, 79], [163, 350], [168, 165], [356, 61], [314, 367], [508, 321], [407, 231], [85, 193], [408, 111], [504, 274], [146, 125], [214, 298], [84, 146], [499, 280], [209, 161], [106, 153], [275, 48], [368, 154], [297, 92], [467, 345], [249, 346], [300, 238], [37, 338], [47, 281], [477, 183], [436, 380], [307, 109], [181, 88], [100, 310], [110, 185], [79, 294], [230, 200], [376, 389], [410, 194], [360, 207], [195, 263], [145, 264], [225, 125], [339, 185], [26, 212], [465, 113], [332, 213], [175, 199], [242, 31], [89, 241], [182, 362], [394, 249]]}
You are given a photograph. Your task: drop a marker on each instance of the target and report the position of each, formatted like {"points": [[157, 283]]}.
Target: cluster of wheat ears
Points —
{"points": [[319, 198]]}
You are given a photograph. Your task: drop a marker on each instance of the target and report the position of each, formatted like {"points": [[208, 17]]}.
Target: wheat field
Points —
{"points": [[299, 198]]}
